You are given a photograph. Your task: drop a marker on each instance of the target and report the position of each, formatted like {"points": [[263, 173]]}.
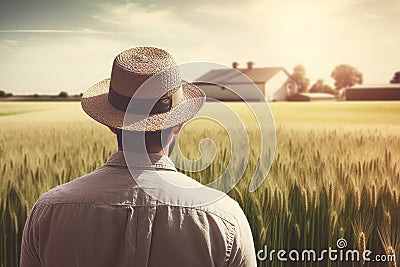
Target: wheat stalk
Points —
{"points": [[304, 200], [362, 245], [331, 194], [395, 196], [357, 198], [374, 196], [315, 198], [391, 252]]}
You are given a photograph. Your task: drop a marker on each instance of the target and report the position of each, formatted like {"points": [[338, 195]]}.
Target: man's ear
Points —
{"points": [[177, 129]]}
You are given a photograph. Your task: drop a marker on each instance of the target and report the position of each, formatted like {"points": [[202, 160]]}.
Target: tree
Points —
{"points": [[396, 77], [321, 87], [63, 94], [4, 94], [299, 76], [329, 90], [346, 76]]}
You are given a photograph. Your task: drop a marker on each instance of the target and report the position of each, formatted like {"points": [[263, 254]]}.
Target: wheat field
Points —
{"points": [[335, 174]]}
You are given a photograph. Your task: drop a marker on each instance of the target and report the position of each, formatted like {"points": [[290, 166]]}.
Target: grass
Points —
{"points": [[9, 109], [335, 172], [41, 98], [12, 113]]}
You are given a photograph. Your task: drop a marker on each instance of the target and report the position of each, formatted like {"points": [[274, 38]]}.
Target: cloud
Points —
{"points": [[145, 23], [84, 31], [206, 31], [49, 65], [7, 46], [187, 35], [10, 42], [79, 50]]}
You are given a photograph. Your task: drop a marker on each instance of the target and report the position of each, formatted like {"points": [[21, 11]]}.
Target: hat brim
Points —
{"points": [[95, 103]]}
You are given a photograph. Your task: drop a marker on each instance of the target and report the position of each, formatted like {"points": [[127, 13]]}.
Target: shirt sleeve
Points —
{"points": [[243, 251], [29, 245]]}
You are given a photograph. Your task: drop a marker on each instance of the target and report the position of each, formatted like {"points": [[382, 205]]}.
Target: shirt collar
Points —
{"points": [[141, 161]]}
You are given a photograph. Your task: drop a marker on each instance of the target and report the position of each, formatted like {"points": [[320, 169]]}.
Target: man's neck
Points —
{"points": [[153, 150]]}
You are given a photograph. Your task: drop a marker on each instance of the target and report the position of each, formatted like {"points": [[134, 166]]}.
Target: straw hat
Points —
{"points": [[145, 93]]}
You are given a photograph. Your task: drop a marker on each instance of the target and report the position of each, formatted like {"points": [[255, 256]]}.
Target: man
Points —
{"points": [[137, 210]]}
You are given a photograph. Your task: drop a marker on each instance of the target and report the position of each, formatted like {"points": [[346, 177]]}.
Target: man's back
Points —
{"points": [[106, 219]]}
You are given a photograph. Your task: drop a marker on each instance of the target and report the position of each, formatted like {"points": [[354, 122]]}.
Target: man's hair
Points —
{"points": [[156, 138]]}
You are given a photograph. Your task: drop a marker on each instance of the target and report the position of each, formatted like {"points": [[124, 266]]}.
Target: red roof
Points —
{"points": [[233, 76]]}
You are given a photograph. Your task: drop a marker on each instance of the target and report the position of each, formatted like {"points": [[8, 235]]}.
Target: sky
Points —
{"points": [[48, 46]]}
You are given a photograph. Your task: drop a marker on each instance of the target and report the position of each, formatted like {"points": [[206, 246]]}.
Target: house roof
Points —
{"points": [[311, 97], [377, 86], [233, 76]]}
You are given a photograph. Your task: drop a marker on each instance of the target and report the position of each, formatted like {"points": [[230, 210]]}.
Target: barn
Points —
{"points": [[390, 91], [275, 83], [311, 97]]}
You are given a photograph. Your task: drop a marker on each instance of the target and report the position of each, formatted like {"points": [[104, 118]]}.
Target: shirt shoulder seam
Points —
{"points": [[230, 218]]}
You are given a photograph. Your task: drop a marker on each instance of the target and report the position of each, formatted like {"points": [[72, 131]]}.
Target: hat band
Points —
{"points": [[139, 105]]}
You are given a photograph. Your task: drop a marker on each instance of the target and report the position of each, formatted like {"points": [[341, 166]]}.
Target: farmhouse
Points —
{"points": [[390, 91], [274, 83], [311, 97]]}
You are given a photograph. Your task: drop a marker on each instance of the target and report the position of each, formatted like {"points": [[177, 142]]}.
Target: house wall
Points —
{"points": [[249, 91], [277, 87], [373, 94], [261, 86], [311, 97], [216, 92]]}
